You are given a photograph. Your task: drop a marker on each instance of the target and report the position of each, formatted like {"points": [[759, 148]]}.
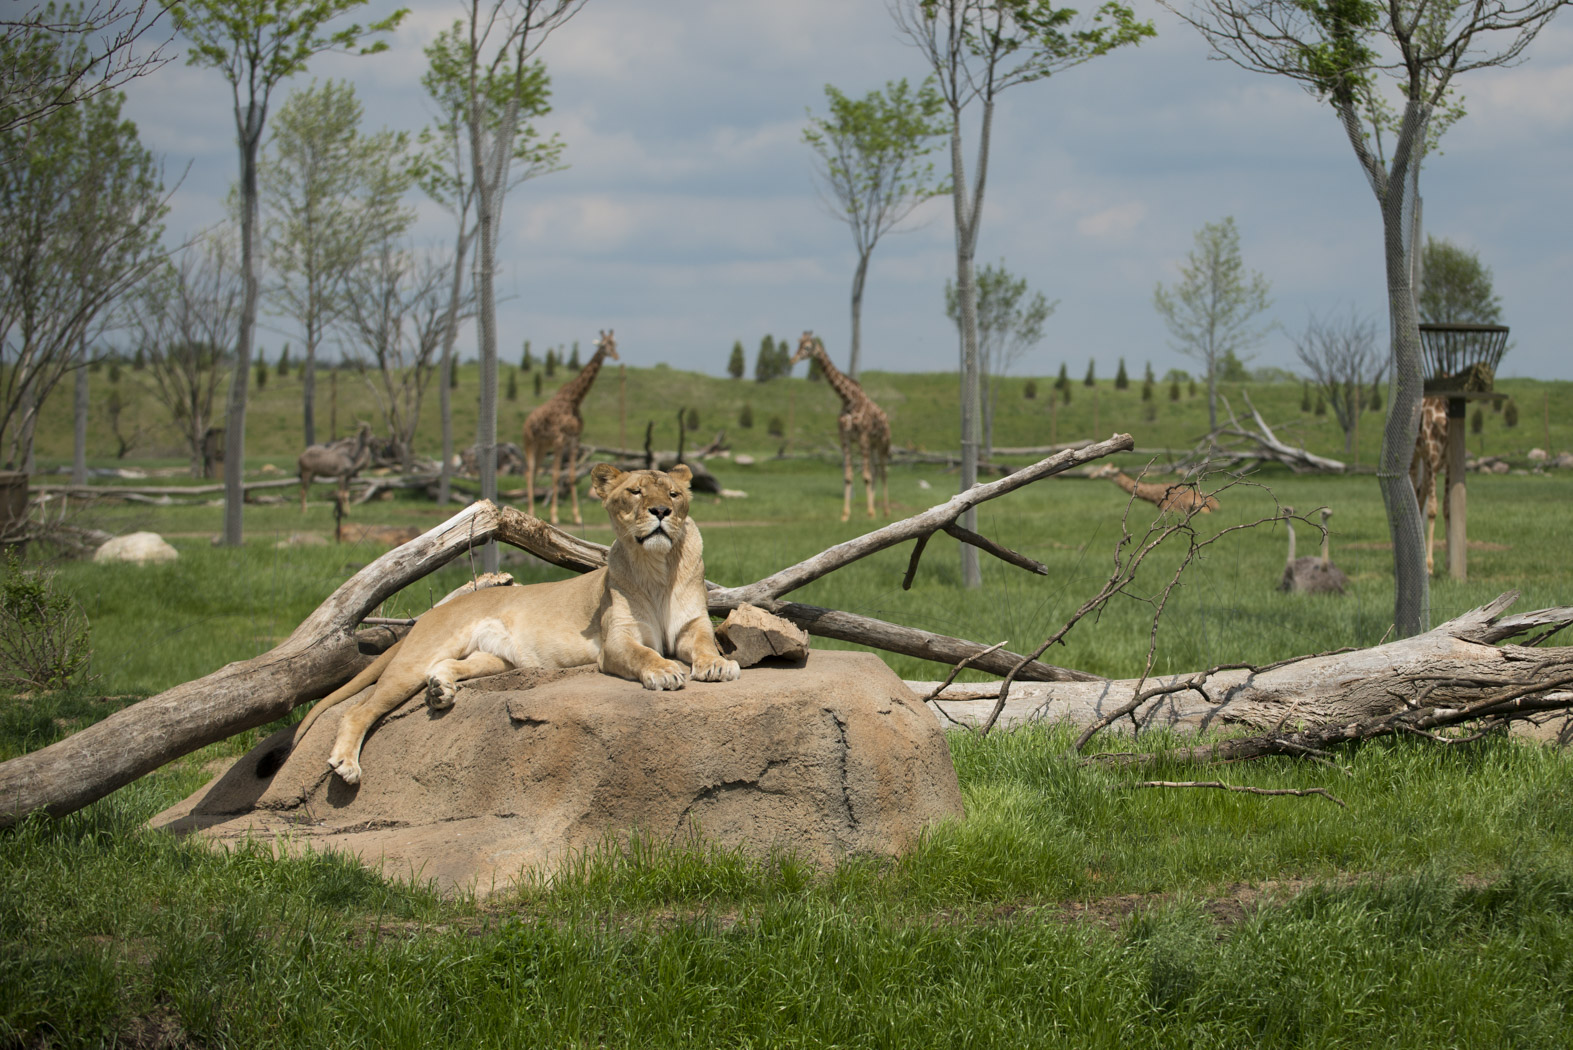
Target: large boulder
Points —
{"points": [[530, 768], [140, 547]]}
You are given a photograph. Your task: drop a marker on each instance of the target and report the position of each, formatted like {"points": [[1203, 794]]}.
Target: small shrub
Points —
{"points": [[691, 421], [537, 384], [775, 428], [1030, 390], [1150, 410], [1305, 396], [1510, 413], [1477, 421], [1174, 390], [513, 385], [43, 633], [1321, 405], [745, 418]]}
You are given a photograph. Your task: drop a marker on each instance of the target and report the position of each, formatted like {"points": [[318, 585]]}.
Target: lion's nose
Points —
{"points": [[661, 513]]}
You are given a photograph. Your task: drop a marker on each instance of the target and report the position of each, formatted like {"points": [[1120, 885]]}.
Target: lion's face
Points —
{"points": [[648, 508]]}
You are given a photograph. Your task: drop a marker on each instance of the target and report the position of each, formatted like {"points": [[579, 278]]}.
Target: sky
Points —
{"points": [[689, 216]]}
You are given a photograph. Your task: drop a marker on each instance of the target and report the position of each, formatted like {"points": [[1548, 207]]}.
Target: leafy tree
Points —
{"points": [[1342, 357], [44, 634], [1455, 287], [187, 317], [1121, 380], [872, 169], [978, 49], [1211, 312], [501, 39], [736, 365], [81, 203], [327, 198], [56, 56], [442, 168], [1339, 51], [256, 44], [1009, 324]]}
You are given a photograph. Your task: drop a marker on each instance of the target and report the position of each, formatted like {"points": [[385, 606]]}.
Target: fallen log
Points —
{"points": [[1456, 673], [322, 653]]}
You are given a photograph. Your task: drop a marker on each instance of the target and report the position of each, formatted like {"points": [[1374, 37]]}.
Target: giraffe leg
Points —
{"points": [[846, 476], [305, 483], [572, 457], [868, 473], [557, 469], [529, 478]]}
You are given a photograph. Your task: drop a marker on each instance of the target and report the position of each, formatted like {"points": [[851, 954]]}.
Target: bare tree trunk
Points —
{"points": [[79, 437], [250, 128], [854, 358]]}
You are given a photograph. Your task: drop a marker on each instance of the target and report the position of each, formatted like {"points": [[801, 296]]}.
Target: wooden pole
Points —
{"points": [[622, 406], [1546, 416], [1457, 552]]}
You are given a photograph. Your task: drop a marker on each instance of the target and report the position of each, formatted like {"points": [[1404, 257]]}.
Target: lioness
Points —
{"points": [[649, 600]]}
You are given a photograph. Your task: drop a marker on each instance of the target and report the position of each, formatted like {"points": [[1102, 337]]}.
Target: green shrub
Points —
{"points": [[43, 633]]}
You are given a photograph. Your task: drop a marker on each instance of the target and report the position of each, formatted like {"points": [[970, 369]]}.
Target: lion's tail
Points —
{"points": [[367, 676]]}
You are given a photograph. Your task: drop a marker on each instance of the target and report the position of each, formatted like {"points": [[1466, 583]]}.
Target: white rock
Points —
{"points": [[1538, 455], [140, 547]]}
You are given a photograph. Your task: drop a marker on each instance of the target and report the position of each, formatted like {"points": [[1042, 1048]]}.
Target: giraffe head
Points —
{"points": [[805, 348], [606, 344]]}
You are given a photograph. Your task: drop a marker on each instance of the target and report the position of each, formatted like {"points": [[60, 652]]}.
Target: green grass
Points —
{"points": [[1071, 908]]}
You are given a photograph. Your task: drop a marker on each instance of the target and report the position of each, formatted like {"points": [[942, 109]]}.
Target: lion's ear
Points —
{"points": [[602, 477], [681, 474]]}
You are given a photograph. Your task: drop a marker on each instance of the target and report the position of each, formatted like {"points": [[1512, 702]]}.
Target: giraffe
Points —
{"points": [[1178, 497], [555, 426], [1428, 462], [860, 420]]}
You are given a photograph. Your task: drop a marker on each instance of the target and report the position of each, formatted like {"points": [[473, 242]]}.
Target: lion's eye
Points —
{"points": [[674, 493], [636, 492]]}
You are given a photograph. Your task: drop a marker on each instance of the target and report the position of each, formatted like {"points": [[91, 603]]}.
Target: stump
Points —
{"points": [[532, 768]]}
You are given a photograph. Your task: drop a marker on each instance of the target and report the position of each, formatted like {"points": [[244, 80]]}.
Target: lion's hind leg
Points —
{"points": [[442, 681], [392, 690]]}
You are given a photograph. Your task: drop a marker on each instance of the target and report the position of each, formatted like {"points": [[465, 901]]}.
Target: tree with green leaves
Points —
{"points": [[255, 45], [872, 168], [327, 198], [59, 55], [1212, 311], [1341, 51], [977, 50], [1455, 286], [81, 207], [442, 168], [1010, 323], [736, 365], [501, 38]]}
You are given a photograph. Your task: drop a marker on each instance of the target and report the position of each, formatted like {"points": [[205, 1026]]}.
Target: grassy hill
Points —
{"points": [[922, 409]]}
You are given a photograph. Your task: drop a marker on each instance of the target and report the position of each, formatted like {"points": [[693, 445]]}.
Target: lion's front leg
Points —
{"points": [[625, 656], [697, 646]]}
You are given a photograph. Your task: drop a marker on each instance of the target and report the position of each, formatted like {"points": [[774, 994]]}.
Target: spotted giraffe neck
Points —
{"points": [[575, 389], [844, 385]]}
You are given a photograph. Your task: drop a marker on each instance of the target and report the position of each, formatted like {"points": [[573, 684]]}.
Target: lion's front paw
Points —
{"points": [[668, 674], [718, 670], [347, 768], [440, 694]]}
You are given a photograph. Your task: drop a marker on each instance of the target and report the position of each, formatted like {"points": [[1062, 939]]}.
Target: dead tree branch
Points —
{"points": [[1299, 792]]}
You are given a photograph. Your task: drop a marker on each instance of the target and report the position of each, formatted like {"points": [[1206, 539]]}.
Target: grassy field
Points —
{"points": [[1070, 908]]}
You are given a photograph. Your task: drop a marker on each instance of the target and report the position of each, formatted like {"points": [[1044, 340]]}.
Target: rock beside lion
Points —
{"points": [[139, 547], [530, 768]]}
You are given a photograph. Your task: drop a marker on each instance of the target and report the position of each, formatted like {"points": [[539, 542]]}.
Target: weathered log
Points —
{"points": [[1427, 676]]}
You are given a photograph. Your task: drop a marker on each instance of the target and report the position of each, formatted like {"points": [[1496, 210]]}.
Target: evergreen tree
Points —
{"points": [[537, 384], [1477, 421], [1305, 395], [1510, 413], [765, 364], [692, 420], [745, 418], [453, 374], [1149, 377], [1193, 388], [815, 371], [1174, 390], [284, 361], [1091, 380], [1121, 380], [1065, 393], [551, 362], [736, 365], [527, 362], [139, 360], [775, 428], [1321, 404], [573, 358], [1030, 390], [1064, 380], [784, 359], [1376, 395], [262, 369], [512, 392], [1147, 388]]}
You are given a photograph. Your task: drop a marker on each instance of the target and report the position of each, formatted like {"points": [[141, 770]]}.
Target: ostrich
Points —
{"points": [[341, 459], [1311, 574]]}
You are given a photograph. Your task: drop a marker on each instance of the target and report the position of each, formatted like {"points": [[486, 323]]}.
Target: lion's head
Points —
{"points": [[648, 508]]}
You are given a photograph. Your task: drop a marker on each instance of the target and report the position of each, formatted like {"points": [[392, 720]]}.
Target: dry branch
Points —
{"points": [[1258, 445]]}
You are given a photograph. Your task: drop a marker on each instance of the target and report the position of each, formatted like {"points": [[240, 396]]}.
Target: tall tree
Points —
{"points": [[1212, 312], [872, 169], [1343, 360], [81, 207], [256, 44], [501, 39], [1340, 51], [978, 49], [56, 56], [1455, 286], [1009, 324], [187, 317], [442, 168], [326, 197]]}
